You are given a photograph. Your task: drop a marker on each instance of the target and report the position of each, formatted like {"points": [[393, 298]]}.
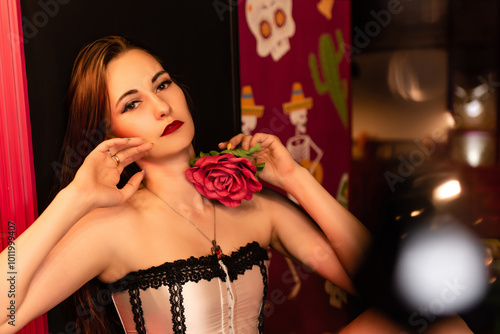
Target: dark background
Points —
{"points": [[196, 39]]}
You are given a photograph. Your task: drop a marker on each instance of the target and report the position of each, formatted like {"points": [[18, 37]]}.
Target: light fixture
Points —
{"points": [[447, 190]]}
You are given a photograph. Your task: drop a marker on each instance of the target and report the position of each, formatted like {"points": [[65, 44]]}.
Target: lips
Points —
{"points": [[172, 127]]}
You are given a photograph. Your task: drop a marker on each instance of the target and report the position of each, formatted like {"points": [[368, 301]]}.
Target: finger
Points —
{"points": [[236, 140], [263, 138], [133, 142], [129, 155], [245, 143], [133, 184], [112, 146]]}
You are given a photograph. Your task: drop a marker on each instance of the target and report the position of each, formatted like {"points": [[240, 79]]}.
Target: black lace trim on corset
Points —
{"points": [[263, 270], [135, 301], [175, 274], [177, 308]]}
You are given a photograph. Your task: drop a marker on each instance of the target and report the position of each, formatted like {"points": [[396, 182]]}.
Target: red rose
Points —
{"points": [[226, 178]]}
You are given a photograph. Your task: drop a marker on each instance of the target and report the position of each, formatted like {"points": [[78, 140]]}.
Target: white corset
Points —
{"points": [[197, 295]]}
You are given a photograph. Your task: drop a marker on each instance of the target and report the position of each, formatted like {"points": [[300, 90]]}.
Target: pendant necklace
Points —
{"points": [[215, 247]]}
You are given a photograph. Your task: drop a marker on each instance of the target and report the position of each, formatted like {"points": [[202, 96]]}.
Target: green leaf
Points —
{"points": [[254, 148], [260, 167], [237, 153], [244, 153]]}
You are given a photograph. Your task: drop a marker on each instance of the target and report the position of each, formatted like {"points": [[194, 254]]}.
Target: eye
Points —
{"points": [[280, 17], [163, 85], [265, 29], [129, 106]]}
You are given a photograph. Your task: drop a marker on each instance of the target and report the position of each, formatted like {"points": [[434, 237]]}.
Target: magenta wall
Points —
{"points": [[317, 60]]}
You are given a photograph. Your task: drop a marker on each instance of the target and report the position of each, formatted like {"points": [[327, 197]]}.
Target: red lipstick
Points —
{"points": [[172, 127]]}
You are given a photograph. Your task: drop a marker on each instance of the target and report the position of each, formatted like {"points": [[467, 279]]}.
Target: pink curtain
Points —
{"points": [[18, 207]]}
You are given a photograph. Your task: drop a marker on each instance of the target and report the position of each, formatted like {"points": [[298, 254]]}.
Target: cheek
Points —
{"points": [[128, 128]]}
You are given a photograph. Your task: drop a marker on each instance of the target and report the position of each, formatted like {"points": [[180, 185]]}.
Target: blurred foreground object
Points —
{"points": [[441, 269]]}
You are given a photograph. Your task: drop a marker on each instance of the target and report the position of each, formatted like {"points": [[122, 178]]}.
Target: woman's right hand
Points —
{"points": [[99, 174]]}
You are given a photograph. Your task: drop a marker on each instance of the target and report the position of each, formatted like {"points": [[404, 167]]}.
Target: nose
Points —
{"points": [[161, 108]]}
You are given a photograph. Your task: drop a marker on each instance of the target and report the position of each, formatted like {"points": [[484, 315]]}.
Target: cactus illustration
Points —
{"points": [[332, 84]]}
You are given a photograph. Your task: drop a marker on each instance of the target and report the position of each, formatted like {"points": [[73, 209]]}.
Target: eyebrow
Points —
{"points": [[157, 75], [130, 92], [133, 91]]}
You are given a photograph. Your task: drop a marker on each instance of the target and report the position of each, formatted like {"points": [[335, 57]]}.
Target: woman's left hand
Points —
{"points": [[279, 162]]}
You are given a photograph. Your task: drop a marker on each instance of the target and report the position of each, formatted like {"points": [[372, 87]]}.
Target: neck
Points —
{"points": [[299, 131], [166, 178], [167, 181]]}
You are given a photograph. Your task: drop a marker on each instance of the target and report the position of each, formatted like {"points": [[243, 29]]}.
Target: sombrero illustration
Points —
{"points": [[248, 107], [298, 101]]}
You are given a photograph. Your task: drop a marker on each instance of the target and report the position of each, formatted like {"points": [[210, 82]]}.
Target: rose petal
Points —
{"points": [[237, 184], [227, 178], [189, 174], [239, 194], [209, 185], [199, 176]]}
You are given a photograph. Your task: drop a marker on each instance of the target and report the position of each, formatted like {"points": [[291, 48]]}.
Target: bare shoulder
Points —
{"points": [[104, 225], [266, 203], [277, 208], [103, 233], [274, 200], [268, 196], [106, 218]]}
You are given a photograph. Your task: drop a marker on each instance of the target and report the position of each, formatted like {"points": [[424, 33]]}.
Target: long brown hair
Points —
{"points": [[88, 125]]}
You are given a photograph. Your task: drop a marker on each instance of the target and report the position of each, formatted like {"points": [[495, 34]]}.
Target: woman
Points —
{"points": [[139, 237]]}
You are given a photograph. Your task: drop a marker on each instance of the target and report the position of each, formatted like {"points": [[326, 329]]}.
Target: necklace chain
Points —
{"points": [[215, 247]]}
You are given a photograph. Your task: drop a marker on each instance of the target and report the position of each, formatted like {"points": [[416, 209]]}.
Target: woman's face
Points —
{"points": [[145, 103]]}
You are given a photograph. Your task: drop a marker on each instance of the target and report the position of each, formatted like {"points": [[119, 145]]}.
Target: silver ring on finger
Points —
{"points": [[116, 159]]}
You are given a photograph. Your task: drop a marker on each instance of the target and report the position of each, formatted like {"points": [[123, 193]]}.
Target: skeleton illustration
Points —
{"points": [[325, 8], [272, 24], [249, 111], [337, 295], [301, 144]]}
